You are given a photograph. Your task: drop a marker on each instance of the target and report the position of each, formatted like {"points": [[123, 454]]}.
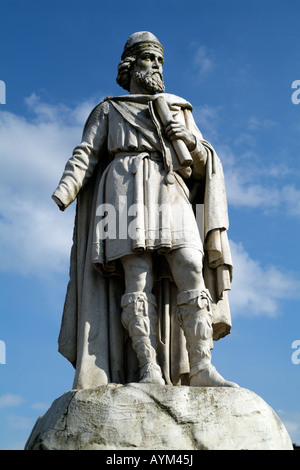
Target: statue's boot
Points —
{"points": [[139, 317], [195, 318]]}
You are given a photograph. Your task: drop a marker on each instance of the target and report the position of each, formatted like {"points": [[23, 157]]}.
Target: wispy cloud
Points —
{"points": [[10, 400], [59, 112], [291, 196], [267, 189], [207, 119], [19, 422], [244, 191], [41, 407], [255, 123], [257, 289], [203, 62]]}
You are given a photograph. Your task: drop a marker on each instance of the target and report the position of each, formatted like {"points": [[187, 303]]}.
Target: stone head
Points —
{"points": [[140, 69]]}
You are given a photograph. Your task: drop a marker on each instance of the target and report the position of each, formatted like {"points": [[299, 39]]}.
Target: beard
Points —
{"points": [[152, 81]]}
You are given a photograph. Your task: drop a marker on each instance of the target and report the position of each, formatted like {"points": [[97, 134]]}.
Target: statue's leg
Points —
{"points": [[194, 315], [195, 318], [139, 315]]}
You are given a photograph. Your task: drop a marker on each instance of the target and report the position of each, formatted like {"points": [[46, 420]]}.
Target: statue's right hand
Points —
{"points": [[59, 203]]}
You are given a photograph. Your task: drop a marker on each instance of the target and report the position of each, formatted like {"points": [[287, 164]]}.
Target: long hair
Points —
{"points": [[124, 69]]}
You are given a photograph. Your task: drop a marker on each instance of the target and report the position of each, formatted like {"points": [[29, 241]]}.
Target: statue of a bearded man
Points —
{"points": [[150, 263]]}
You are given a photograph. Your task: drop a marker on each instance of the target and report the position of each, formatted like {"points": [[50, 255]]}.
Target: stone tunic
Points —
{"points": [[136, 208]]}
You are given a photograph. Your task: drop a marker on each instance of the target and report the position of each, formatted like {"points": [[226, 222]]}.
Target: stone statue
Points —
{"points": [[150, 263]]}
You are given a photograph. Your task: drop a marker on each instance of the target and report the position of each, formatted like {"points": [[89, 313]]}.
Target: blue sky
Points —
{"points": [[235, 62]]}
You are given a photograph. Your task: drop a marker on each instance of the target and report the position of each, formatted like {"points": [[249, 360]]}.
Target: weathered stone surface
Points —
{"points": [[147, 416]]}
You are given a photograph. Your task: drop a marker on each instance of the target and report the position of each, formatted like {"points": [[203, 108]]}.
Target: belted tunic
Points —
{"points": [[139, 207]]}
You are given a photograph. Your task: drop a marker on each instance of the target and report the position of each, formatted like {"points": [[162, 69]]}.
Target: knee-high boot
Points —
{"points": [[139, 317], [195, 318]]}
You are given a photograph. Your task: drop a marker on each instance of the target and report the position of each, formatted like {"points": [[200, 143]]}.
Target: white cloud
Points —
{"points": [[41, 407], [10, 400], [257, 289], [19, 422], [255, 123], [291, 196], [35, 235], [267, 189], [59, 113], [207, 118], [244, 193], [282, 170], [203, 62], [291, 421]]}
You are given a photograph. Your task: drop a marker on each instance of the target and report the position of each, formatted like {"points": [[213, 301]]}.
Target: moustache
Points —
{"points": [[153, 74]]}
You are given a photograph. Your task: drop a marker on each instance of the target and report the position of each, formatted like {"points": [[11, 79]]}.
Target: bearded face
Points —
{"points": [[151, 80], [146, 72]]}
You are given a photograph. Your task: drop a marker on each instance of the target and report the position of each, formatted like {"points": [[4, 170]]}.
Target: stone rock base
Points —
{"points": [[159, 417]]}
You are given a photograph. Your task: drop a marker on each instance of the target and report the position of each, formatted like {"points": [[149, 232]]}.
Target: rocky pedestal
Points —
{"points": [[146, 416]]}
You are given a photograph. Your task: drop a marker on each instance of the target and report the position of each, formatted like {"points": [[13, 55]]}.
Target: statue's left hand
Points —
{"points": [[176, 130]]}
